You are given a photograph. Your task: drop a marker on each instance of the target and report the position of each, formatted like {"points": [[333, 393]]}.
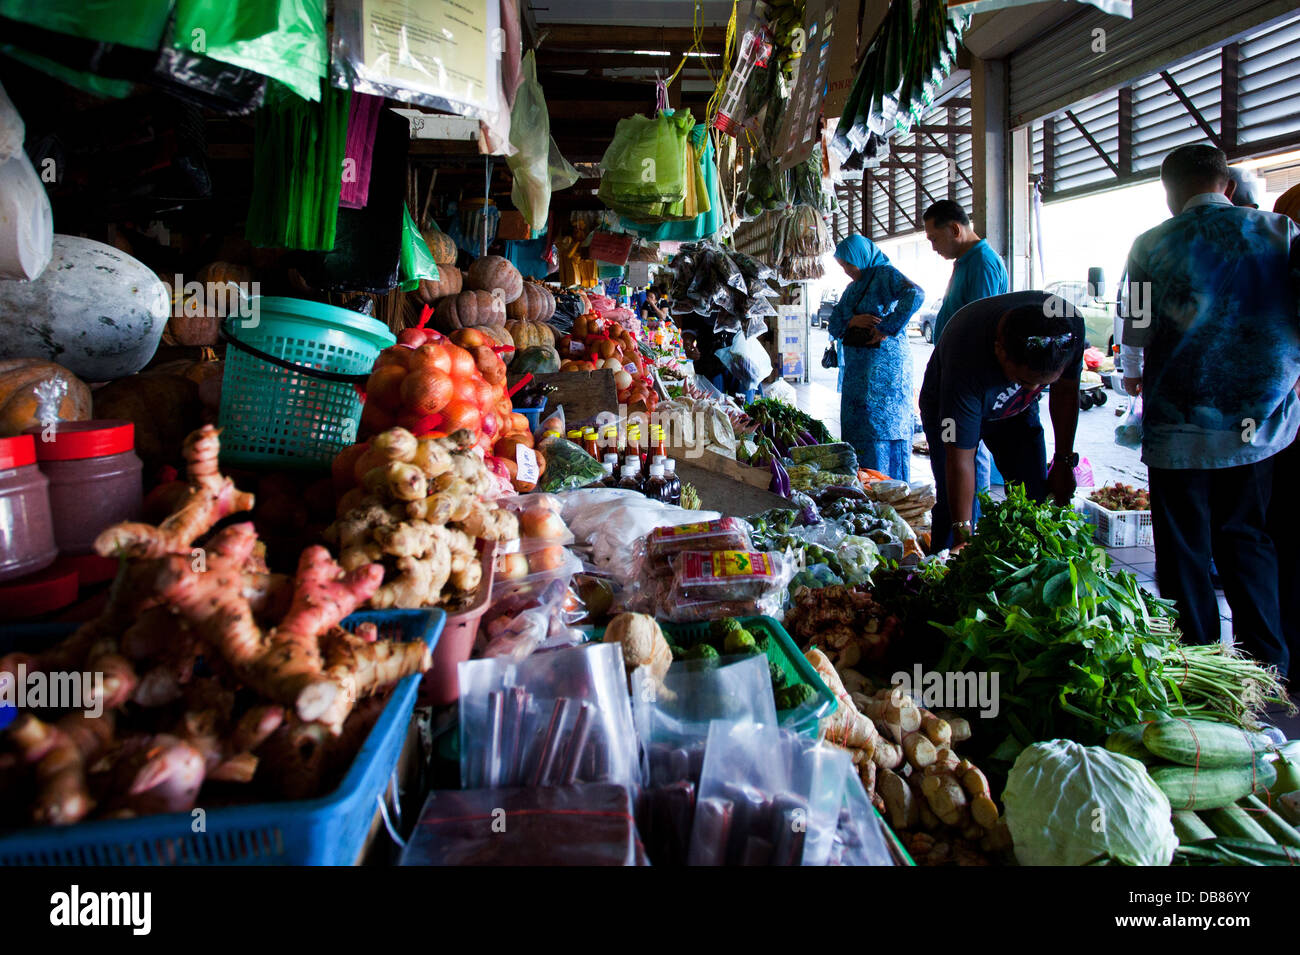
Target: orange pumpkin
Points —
{"points": [[441, 247], [450, 281]]}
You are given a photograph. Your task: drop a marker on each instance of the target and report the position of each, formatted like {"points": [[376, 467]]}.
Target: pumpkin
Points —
{"points": [[164, 409], [19, 378], [537, 360], [534, 304], [528, 334], [450, 281], [491, 273], [468, 309], [441, 247]]}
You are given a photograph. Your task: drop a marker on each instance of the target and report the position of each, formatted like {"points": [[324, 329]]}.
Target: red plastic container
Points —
{"points": [[442, 683]]}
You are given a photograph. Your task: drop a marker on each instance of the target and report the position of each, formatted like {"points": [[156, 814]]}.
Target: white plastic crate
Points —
{"points": [[1119, 528]]}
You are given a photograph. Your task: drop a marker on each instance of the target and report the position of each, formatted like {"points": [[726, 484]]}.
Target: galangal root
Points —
{"points": [[171, 604]]}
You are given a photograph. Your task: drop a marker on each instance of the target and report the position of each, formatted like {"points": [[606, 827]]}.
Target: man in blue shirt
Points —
{"points": [[1213, 339], [978, 273]]}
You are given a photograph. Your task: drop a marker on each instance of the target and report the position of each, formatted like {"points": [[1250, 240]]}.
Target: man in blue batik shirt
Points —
{"points": [[1212, 343]]}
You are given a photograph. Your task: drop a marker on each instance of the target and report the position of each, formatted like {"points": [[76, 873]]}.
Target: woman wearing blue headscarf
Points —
{"points": [[871, 320]]}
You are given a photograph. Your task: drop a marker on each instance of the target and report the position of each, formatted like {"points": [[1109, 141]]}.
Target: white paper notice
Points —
{"points": [[526, 465]]}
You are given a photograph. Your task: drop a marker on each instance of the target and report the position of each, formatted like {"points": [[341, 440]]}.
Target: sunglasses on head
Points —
{"points": [[1044, 342]]}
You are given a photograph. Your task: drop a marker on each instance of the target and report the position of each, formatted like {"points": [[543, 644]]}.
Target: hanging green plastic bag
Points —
{"points": [[138, 24], [530, 134], [417, 261], [292, 48]]}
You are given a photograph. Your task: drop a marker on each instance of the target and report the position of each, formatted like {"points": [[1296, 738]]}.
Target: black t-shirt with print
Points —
{"points": [[964, 381]]}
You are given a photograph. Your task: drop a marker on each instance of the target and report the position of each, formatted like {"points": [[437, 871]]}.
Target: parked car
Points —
{"points": [[1098, 313], [923, 320], [822, 317]]}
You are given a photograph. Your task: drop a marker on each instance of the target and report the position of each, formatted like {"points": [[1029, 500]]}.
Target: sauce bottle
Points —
{"points": [[656, 485], [611, 458], [660, 449], [575, 435], [630, 481], [610, 479], [590, 443], [674, 482]]}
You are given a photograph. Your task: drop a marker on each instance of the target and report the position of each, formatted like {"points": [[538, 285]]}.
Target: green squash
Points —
{"points": [[537, 360]]}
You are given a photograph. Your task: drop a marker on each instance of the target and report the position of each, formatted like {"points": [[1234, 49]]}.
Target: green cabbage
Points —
{"points": [[1066, 804]]}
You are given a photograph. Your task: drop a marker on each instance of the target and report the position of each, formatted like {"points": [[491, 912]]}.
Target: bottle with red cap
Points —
{"points": [[26, 528], [96, 479]]}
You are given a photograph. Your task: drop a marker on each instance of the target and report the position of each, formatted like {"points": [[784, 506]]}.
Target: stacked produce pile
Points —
{"points": [[597, 343], [941, 803], [280, 709], [418, 508], [913, 502], [779, 427], [1121, 497]]}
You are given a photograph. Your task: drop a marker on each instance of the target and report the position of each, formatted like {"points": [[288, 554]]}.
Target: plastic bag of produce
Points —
{"points": [[767, 796], [568, 466], [530, 134], [26, 221], [736, 689], [727, 583], [726, 533], [571, 825], [527, 618], [552, 719], [1128, 433]]}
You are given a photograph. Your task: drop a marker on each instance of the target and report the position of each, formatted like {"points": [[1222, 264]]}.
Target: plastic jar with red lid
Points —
{"points": [[26, 529], [96, 479]]}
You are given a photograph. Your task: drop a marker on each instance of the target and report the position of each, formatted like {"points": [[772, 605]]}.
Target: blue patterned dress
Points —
{"points": [[876, 415]]}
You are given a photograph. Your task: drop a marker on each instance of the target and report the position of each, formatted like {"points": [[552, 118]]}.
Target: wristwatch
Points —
{"points": [[1071, 459], [962, 531]]}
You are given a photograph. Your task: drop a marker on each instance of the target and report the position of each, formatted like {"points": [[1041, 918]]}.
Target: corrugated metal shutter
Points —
{"points": [[1059, 68], [1270, 84], [1077, 163], [1161, 122]]}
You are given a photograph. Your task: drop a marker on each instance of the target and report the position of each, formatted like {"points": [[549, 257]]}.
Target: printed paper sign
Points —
{"points": [[526, 465]]}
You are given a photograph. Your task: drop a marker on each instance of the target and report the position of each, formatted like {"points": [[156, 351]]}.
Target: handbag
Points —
{"points": [[831, 357]]}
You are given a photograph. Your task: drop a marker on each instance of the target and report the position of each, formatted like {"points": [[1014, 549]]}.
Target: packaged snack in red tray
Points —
{"points": [[726, 533], [729, 575]]}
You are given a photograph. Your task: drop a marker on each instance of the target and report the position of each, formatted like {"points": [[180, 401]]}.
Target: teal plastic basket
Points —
{"points": [[329, 830], [289, 394]]}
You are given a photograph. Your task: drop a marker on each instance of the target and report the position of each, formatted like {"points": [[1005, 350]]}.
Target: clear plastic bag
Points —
{"points": [[570, 825], [528, 618], [530, 134], [860, 837], [767, 796], [1128, 433], [736, 689], [607, 522], [26, 220], [726, 533], [555, 718], [748, 360], [534, 568], [568, 466]]}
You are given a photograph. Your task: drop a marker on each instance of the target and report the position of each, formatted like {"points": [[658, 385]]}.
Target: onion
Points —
{"points": [[622, 380]]}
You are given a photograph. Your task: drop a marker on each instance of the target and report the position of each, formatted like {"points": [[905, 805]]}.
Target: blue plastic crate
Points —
{"points": [[534, 415], [330, 830]]}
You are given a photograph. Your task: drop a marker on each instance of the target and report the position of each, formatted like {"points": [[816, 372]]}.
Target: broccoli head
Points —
{"points": [[679, 653], [790, 697]]}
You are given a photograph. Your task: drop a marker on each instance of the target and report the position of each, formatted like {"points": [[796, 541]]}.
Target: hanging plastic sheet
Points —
{"points": [[445, 56], [290, 47], [363, 120], [140, 24], [530, 134]]}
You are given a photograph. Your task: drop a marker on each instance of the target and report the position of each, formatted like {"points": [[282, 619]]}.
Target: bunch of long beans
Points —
{"points": [[1215, 682]]}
